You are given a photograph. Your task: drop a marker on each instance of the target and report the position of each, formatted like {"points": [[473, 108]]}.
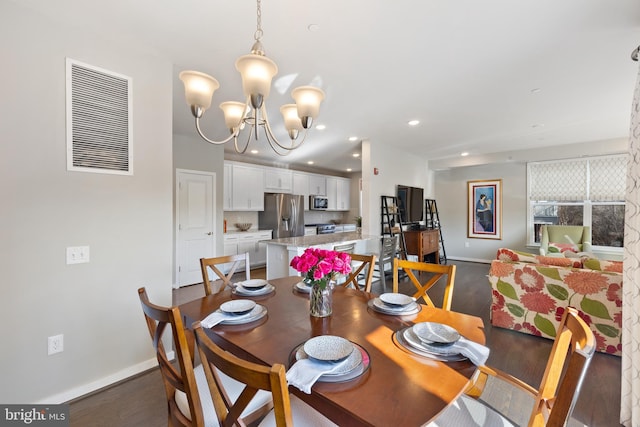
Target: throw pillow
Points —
{"points": [[563, 247], [505, 254]]}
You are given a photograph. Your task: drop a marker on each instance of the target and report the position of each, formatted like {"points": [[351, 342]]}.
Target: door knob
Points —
{"points": [[210, 233]]}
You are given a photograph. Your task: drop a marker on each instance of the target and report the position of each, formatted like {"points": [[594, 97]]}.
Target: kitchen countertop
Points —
{"points": [[320, 239]]}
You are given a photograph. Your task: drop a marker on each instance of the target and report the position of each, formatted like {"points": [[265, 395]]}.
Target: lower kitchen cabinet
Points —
{"points": [[248, 241]]}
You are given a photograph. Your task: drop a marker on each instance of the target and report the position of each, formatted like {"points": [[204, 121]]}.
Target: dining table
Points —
{"points": [[397, 388]]}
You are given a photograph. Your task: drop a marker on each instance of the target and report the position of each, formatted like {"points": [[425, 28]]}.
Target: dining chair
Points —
{"points": [[552, 403], [436, 271], [214, 264], [362, 270], [388, 251], [189, 401], [287, 410]]}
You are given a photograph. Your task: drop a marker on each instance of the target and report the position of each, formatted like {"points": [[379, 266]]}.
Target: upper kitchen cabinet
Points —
{"points": [[338, 193], [247, 188], [332, 193], [278, 180], [343, 193], [301, 186], [227, 187], [317, 185]]}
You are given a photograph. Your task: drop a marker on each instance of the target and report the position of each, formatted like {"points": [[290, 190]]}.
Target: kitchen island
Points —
{"points": [[281, 251]]}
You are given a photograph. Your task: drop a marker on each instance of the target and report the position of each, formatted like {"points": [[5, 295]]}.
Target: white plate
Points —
{"points": [[354, 360], [381, 307], [412, 343], [238, 306], [303, 287], [328, 348], [258, 312], [241, 290], [431, 332], [396, 300], [253, 284]]}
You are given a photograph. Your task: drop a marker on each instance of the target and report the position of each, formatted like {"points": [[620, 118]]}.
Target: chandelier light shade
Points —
{"points": [[257, 72]]}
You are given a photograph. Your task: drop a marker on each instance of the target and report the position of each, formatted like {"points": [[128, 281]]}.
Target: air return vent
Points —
{"points": [[99, 126]]}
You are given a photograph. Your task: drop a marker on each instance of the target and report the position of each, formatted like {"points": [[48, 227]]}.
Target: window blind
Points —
{"points": [[598, 179]]}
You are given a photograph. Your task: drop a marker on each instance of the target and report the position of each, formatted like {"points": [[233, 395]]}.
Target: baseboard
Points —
{"points": [[483, 261], [85, 389]]}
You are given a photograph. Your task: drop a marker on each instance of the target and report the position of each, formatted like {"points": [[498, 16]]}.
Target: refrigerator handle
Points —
{"points": [[294, 214]]}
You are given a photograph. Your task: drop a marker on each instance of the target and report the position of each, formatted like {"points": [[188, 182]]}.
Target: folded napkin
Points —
{"points": [[476, 353], [219, 316], [305, 372]]}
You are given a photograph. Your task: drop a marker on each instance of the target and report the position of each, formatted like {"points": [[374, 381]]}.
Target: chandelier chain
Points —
{"points": [[257, 36]]}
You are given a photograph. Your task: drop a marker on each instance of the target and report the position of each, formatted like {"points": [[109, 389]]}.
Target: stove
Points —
{"points": [[323, 228]]}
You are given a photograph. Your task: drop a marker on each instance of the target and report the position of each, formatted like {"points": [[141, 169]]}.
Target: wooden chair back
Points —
{"points": [[570, 356], [214, 264], [437, 272], [255, 377], [362, 267], [569, 359], [158, 319]]}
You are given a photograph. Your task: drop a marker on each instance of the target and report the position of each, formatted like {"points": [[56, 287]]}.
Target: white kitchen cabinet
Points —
{"points": [[317, 185], [278, 180], [343, 194], [227, 187], [301, 186], [247, 188], [332, 193]]}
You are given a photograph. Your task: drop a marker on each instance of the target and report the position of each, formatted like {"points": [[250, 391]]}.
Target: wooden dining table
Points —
{"points": [[398, 389]]}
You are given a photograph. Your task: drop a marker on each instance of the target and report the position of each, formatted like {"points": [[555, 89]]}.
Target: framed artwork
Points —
{"points": [[484, 209]]}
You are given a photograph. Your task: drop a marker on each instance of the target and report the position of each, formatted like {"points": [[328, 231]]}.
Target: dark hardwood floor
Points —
{"points": [[140, 401]]}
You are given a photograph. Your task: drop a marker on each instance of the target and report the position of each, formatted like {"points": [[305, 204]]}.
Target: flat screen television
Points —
{"points": [[410, 204]]}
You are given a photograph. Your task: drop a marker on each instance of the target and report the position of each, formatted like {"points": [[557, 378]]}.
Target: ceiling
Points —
{"points": [[481, 76]]}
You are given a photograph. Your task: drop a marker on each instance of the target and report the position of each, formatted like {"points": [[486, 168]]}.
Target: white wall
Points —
{"points": [[126, 220], [394, 167], [451, 198]]}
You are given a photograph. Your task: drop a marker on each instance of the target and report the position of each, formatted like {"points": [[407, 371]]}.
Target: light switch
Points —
{"points": [[77, 254]]}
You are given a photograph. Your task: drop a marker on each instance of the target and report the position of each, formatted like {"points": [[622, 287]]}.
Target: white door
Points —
{"points": [[195, 221]]}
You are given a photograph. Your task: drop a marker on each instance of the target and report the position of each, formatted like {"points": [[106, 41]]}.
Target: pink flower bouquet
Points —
{"points": [[320, 266]]}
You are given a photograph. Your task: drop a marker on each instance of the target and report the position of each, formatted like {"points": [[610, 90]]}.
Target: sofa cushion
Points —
{"points": [[559, 261], [505, 254], [602, 265], [531, 298]]}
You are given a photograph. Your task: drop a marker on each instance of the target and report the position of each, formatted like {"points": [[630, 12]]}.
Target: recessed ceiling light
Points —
{"points": [[254, 151], [348, 169], [356, 154], [321, 127], [536, 90], [464, 153], [414, 122], [353, 138], [310, 162], [313, 27]]}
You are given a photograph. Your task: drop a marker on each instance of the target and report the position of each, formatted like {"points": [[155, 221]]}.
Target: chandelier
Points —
{"points": [[257, 71]]}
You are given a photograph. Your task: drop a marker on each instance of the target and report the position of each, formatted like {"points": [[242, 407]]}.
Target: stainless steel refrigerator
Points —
{"points": [[284, 214]]}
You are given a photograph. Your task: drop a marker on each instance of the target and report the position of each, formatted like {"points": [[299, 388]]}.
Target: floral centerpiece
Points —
{"points": [[321, 267]]}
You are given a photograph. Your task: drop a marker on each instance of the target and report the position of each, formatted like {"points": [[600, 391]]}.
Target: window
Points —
{"points": [[579, 192]]}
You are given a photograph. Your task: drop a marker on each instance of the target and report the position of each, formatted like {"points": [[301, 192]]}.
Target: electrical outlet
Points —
{"points": [[77, 254], [466, 244], [55, 344]]}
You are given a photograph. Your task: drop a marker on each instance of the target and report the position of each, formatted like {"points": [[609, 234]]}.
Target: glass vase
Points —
{"points": [[321, 299]]}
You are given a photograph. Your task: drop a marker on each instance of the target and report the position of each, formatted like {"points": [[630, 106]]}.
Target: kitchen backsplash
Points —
{"points": [[310, 217]]}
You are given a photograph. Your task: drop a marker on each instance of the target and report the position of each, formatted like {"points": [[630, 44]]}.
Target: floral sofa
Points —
{"points": [[530, 293]]}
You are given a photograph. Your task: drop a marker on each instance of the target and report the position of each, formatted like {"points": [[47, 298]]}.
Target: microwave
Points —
{"points": [[318, 203]]}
